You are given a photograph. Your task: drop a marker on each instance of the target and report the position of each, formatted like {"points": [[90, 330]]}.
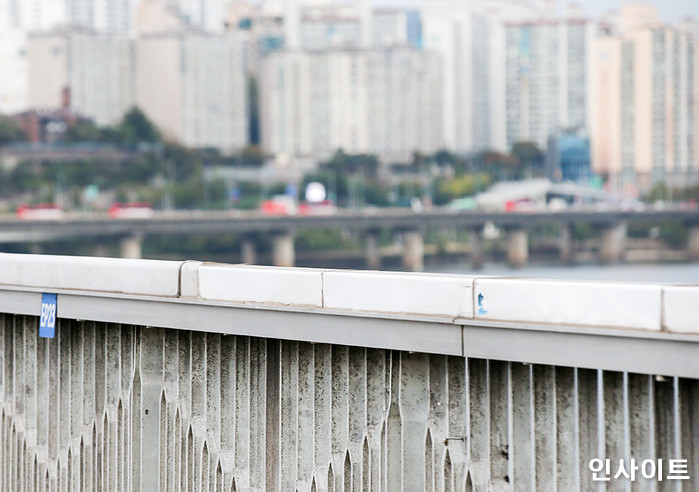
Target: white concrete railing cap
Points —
{"points": [[598, 304], [114, 275], [399, 293], [263, 285], [681, 308]]}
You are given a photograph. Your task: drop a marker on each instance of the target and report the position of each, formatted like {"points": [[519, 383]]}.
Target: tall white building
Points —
{"points": [[193, 87], [380, 101], [108, 16], [90, 73], [461, 33], [13, 66], [548, 78]]}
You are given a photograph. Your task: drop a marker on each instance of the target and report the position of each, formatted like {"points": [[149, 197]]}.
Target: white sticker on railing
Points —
{"points": [[47, 322]]}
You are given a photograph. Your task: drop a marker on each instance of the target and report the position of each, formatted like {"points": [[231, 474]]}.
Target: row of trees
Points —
{"points": [[158, 168]]}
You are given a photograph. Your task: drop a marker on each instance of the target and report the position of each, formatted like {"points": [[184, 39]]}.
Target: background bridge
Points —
{"points": [[611, 227], [191, 376]]}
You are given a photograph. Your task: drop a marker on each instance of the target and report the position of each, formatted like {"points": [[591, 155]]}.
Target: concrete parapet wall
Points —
{"points": [[120, 407], [196, 376]]}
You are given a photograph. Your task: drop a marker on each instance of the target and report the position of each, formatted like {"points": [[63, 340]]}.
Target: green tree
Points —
{"points": [[136, 128], [529, 158], [9, 131], [252, 156]]}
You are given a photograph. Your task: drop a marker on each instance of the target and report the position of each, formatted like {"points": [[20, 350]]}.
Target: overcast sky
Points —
{"points": [[670, 10]]}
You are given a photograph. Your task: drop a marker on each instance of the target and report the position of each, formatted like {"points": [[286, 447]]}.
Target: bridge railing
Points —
{"points": [[196, 376]]}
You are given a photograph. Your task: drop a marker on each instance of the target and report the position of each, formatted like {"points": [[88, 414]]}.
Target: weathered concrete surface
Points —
{"points": [[120, 407]]}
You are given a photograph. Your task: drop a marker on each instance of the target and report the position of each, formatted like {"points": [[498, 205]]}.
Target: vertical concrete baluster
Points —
{"points": [[414, 410], [42, 398], [438, 418], [273, 395], [522, 453], [112, 395], [479, 421], [213, 392], [458, 420], [376, 411], [357, 385], [243, 396], [151, 368], [64, 338], [76, 384], [500, 422], [305, 400], [258, 415], [615, 436], [567, 456], [689, 423], [322, 395], [340, 411], [4, 321], [30, 377], [289, 414], [588, 424], [545, 427], [640, 405], [20, 364], [229, 429]]}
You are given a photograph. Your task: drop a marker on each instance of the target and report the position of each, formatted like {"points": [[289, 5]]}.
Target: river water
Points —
{"points": [[674, 273]]}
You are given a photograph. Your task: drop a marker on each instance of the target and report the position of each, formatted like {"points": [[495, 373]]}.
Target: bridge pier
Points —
{"points": [[693, 242], [517, 248], [283, 249], [565, 245], [131, 247], [613, 242], [248, 254], [476, 249], [413, 251], [372, 253]]}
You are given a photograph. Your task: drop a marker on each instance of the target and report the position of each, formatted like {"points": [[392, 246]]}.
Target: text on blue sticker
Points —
{"points": [[47, 321]]}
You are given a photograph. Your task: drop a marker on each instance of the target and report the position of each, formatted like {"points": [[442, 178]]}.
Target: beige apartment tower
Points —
{"points": [[193, 87], [645, 89]]}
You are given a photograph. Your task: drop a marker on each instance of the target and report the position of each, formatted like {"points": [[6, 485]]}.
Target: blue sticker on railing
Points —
{"points": [[47, 322], [482, 303]]}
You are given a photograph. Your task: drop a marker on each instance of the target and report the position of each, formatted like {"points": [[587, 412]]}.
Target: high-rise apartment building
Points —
{"points": [[92, 74], [461, 33], [380, 101], [193, 87], [645, 101], [107, 16], [548, 70]]}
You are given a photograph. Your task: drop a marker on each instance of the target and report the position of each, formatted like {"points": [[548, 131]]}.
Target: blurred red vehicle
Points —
{"points": [[133, 210], [326, 207], [278, 205], [43, 211]]}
